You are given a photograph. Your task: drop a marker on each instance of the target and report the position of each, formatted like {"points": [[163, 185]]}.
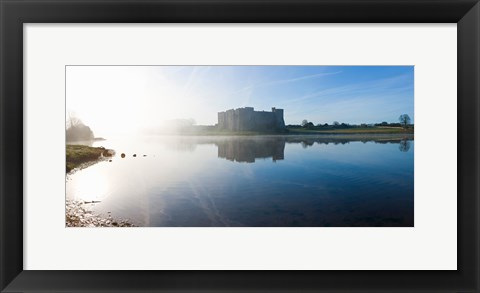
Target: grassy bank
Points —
{"points": [[356, 130], [302, 131], [81, 154]]}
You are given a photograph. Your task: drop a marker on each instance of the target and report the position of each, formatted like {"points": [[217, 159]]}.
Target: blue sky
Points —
{"points": [[148, 95], [321, 94]]}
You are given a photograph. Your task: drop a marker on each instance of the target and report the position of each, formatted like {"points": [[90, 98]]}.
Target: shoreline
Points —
{"points": [[296, 136], [291, 132], [79, 157], [77, 214]]}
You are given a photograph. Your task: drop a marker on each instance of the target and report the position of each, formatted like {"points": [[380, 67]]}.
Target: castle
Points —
{"points": [[246, 119]]}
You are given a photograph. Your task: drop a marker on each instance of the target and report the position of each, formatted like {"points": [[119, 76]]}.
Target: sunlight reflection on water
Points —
{"points": [[253, 181]]}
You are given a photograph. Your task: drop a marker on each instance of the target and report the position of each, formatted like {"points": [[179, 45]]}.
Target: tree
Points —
{"points": [[77, 131], [404, 120], [192, 122], [336, 123], [304, 122], [73, 120]]}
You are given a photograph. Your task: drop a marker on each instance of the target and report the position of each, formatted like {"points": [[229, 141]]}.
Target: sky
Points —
{"points": [[122, 99]]}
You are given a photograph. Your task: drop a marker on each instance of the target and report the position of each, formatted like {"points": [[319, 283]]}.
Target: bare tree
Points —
{"points": [[76, 130], [304, 122], [404, 120], [73, 121]]}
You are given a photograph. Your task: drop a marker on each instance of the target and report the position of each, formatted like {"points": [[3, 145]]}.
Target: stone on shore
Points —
{"points": [[78, 215]]}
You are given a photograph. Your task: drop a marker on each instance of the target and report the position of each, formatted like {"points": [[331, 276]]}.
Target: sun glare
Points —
{"points": [[90, 186], [126, 100]]}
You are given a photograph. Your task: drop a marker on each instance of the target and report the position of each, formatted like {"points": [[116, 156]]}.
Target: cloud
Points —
{"points": [[251, 87], [372, 87], [301, 78]]}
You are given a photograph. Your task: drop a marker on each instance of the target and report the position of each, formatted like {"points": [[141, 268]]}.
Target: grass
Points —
{"points": [[300, 130], [379, 130], [80, 154]]}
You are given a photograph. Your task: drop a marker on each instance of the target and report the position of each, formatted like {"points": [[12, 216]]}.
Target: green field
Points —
{"points": [[76, 155], [355, 130]]}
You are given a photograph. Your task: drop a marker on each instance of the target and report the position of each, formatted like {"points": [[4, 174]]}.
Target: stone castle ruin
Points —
{"points": [[246, 119]]}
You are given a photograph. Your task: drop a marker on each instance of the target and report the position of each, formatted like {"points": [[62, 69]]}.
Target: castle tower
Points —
{"points": [[279, 122]]}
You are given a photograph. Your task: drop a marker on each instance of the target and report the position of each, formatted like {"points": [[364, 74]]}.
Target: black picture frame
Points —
{"points": [[13, 14]]}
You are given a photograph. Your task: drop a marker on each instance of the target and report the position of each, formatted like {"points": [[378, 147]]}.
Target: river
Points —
{"points": [[253, 181]]}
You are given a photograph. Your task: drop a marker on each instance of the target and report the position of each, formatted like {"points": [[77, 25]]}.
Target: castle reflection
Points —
{"points": [[247, 150]]}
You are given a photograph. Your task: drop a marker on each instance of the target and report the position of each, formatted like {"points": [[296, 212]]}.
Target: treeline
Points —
{"points": [[310, 125], [404, 121]]}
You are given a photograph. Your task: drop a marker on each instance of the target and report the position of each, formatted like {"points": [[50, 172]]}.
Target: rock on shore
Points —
{"points": [[77, 214]]}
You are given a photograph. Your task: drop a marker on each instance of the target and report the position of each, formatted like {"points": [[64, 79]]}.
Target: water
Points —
{"points": [[268, 181]]}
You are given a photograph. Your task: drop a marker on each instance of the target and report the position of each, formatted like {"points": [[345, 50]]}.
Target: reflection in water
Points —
{"points": [[319, 181], [247, 149], [404, 145], [306, 144]]}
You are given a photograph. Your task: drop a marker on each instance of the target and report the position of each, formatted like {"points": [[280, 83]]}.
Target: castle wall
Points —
{"points": [[246, 119]]}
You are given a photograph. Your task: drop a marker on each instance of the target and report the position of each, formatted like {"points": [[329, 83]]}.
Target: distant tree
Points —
{"points": [[384, 123], [304, 122], [180, 123], [326, 124], [404, 120], [73, 120], [79, 132], [191, 122], [309, 125], [76, 130], [336, 123]]}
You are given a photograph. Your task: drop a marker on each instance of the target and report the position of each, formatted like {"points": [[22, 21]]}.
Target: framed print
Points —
{"points": [[260, 146]]}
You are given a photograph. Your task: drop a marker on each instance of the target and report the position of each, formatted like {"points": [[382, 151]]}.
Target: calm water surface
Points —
{"points": [[266, 181]]}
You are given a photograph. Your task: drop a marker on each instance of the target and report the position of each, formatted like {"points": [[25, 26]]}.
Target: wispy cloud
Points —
{"points": [[295, 79], [391, 84], [249, 88], [196, 77]]}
